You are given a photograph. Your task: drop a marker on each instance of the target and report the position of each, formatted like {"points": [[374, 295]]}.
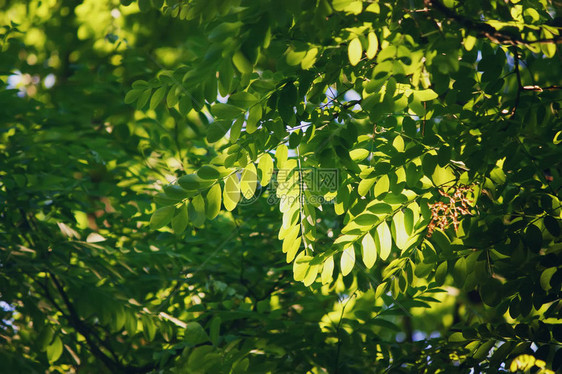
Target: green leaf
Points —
{"points": [[373, 45], [354, 51], [132, 95], [54, 350], [369, 250], [254, 117], [249, 181], [208, 172], [45, 337], [459, 272], [300, 266], [143, 98], [172, 98], [552, 226], [217, 130], [347, 260], [179, 222], [162, 217], [365, 186], [409, 126], [482, 352], [443, 176], [309, 59], [185, 105], [287, 102], [231, 193], [533, 238], [366, 219], [327, 270], [491, 292], [157, 97], [236, 130], [359, 154], [383, 240], [295, 57], [213, 201], [242, 99], [557, 138], [196, 211], [281, 155], [382, 186], [242, 63], [241, 367], [425, 95], [546, 276], [398, 143], [194, 334], [265, 167], [192, 182], [214, 330], [225, 111], [441, 273], [401, 235], [311, 275]]}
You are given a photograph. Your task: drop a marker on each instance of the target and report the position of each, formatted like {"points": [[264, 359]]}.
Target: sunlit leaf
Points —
{"points": [[327, 270], [347, 260], [369, 250], [231, 192], [354, 51], [373, 45], [265, 167], [213, 201], [248, 181], [383, 240]]}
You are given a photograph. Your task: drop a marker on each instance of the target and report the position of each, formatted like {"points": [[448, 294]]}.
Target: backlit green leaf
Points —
{"points": [[231, 193], [242, 63], [327, 270], [265, 167], [54, 350], [248, 181], [347, 260], [354, 51], [213, 201], [369, 250], [382, 186], [365, 186], [383, 240], [373, 45]]}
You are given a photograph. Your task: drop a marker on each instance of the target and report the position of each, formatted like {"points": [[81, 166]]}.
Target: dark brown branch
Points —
{"points": [[112, 362], [483, 29], [85, 331]]}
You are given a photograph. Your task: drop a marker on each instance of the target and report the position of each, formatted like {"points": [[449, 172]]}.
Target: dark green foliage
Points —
{"points": [[331, 186]]}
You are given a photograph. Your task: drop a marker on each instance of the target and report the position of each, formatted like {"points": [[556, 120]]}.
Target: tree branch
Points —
{"points": [[485, 30]]}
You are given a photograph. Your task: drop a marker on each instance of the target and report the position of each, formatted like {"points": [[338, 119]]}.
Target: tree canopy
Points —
{"points": [[326, 186]]}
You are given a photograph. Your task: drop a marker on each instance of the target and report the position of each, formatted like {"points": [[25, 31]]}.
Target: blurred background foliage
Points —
{"points": [[86, 286]]}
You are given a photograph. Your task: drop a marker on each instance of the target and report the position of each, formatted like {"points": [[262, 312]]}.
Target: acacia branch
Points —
{"points": [[86, 331], [485, 30]]}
